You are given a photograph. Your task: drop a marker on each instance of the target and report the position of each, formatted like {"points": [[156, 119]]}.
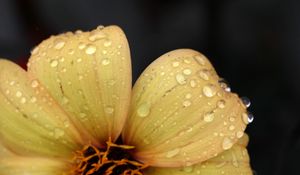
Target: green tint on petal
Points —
{"points": [[31, 122], [89, 75]]}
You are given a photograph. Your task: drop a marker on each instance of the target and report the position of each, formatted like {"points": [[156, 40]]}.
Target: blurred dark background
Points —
{"points": [[255, 45]]}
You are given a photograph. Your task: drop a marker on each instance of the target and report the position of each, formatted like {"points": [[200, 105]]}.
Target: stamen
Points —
{"points": [[114, 159]]}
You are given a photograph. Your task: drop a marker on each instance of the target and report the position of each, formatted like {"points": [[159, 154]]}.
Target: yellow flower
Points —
{"points": [[73, 112]]}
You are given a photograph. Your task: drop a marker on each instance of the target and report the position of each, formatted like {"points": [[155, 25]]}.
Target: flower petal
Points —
{"points": [[89, 74], [231, 162], [33, 166], [31, 123], [180, 113]]}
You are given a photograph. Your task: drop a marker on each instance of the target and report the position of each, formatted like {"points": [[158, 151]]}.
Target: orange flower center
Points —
{"points": [[113, 159]]}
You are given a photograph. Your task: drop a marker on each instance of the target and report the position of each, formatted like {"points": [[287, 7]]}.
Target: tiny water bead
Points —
{"points": [[224, 84]]}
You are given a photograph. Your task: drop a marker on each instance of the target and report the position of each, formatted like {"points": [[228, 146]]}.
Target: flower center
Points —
{"points": [[113, 159]]}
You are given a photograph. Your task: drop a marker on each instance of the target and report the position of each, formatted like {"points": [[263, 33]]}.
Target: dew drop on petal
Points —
{"points": [[107, 43], [34, 83], [175, 64], [246, 101], [227, 143], [209, 90], [23, 100], [239, 134], [105, 62], [58, 133], [109, 110], [91, 49], [221, 104], [204, 74], [209, 117], [186, 103], [19, 94], [199, 59], [224, 84], [59, 44], [96, 35], [81, 46], [180, 79], [172, 153], [250, 117], [53, 63], [187, 71], [143, 110]]}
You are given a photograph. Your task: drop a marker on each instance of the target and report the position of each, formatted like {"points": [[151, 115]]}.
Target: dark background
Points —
{"points": [[254, 44]]}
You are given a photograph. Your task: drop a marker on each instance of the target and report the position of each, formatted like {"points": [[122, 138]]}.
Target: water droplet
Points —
{"points": [[7, 91], [239, 134], [91, 49], [58, 44], [107, 43], [53, 63], [23, 100], [199, 59], [71, 51], [109, 110], [209, 90], [227, 143], [172, 153], [12, 83], [66, 123], [33, 99], [188, 169], [65, 100], [186, 103], [188, 96], [144, 110], [209, 117], [180, 79], [246, 101], [175, 64], [35, 51], [81, 46], [204, 74], [224, 84], [250, 117], [221, 104], [19, 94], [105, 61], [58, 133], [34, 83], [82, 115], [187, 71], [79, 60], [231, 127], [96, 35], [193, 83]]}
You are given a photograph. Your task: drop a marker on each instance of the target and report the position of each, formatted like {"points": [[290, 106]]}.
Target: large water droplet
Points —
{"points": [[250, 117], [209, 117], [180, 79], [59, 44], [209, 90], [204, 74], [172, 153], [144, 110], [227, 143], [53, 63], [91, 49], [246, 101]]}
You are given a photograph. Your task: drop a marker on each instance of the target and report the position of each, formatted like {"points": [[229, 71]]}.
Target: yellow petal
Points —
{"points": [[234, 161], [31, 123], [89, 74], [180, 113], [33, 166]]}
